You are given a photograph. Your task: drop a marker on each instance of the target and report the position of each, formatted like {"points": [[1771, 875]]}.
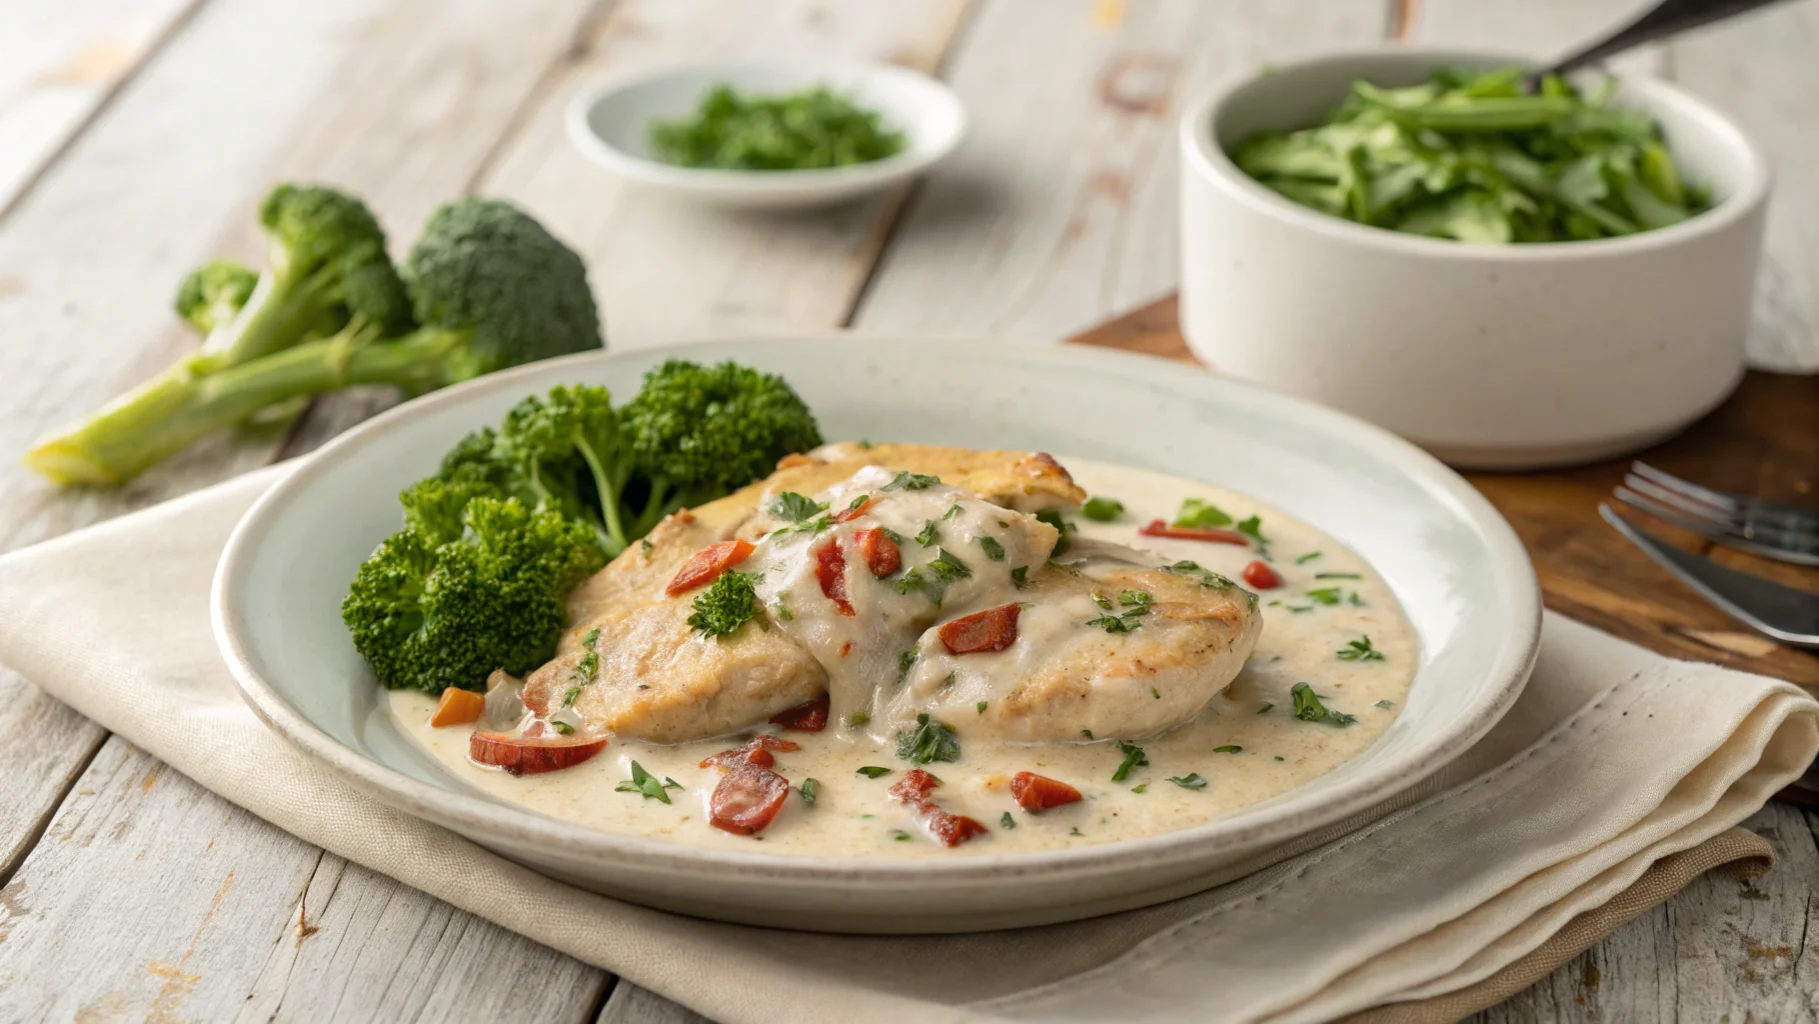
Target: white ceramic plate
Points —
{"points": [[610, 127], [1456, 565]]}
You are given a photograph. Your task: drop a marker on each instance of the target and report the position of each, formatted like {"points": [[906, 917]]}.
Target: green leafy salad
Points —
{"points": [[1471, 156], [814, 128], [517, 516]]}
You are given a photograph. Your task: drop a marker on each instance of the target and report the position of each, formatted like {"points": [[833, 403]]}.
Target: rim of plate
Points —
{"points": [[921, 154], [1283, 818]]}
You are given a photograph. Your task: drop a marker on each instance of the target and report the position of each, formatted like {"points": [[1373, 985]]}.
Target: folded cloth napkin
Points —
{"points": [[1617, 777]]}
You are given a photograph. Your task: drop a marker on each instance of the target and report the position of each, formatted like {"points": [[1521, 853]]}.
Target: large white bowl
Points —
{"points": [[611, 126], [1459, 570], [1491, 357]]}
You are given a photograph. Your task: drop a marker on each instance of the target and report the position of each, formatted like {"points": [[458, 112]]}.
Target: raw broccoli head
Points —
{"points": [[697, 432], [212, 294], [327, 263], [486, 272], [429, 613]]}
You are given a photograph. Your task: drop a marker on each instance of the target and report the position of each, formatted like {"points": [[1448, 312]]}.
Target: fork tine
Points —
{"points": [[1780, 545], [1680, 503], [1668, 481]]}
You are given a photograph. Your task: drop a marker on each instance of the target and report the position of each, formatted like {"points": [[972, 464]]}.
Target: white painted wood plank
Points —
{"points": [[43, 747], [1059, 209], [630, 1004], [59, 62], [1720, 950], [362, 947], [665, 270], [1761, 69]]}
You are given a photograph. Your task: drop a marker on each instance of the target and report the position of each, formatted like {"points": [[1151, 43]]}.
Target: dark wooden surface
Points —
{"points": [[1764, 440]]}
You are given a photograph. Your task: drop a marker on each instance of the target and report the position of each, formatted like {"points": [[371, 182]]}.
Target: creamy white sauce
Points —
{"points": [[1319, 611]]}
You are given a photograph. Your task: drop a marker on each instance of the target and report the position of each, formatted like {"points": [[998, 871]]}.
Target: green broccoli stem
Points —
{"points": [[181, 406], [608, 488], [280, 313]]}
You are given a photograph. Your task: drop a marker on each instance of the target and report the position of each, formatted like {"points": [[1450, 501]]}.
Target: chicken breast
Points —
{"points": [[1106, 647], [631, 665]]}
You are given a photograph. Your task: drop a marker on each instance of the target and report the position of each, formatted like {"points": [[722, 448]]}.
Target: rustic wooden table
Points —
{"points": [[135, 136]]}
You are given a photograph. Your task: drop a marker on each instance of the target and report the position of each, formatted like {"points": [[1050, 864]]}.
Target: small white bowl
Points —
{"points": [[611, 127], [1491, 357]]}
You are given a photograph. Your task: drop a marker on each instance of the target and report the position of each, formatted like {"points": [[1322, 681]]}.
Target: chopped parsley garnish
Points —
{"points": [[1207, 577], [930, 741], [1155, 693], [1360, 650], [1328, 596], [910, 581], [1337, 576], [900, 835], [1062, 526], [646, 783], [645, 544], [1299, 608], [930, 535], [781, 610], [590, 638], [1309, 709], [1102, 601], [1355, 600], [952, 511], [1088, 733], [1384, 704], [1253, 528], [859, 718], [1115, 623], [796, 507], [1135, 599], [907, 481], [1201, 514], [1141, 787], [1075, 831], [1102, 509], [980, 707], [809, 790], [568, 699], [1191, 780], [563, 728], [947, 568], [1133, 758], [907, 660], [1265, 708], [1279, 757], [1310, 556], [588, 667], [1020, 576], [993, 549], [1007, 821], [1228, 748], [872, 771], [730, 603]]}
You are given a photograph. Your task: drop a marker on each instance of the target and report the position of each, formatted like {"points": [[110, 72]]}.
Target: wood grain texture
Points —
{"points": [[664, 269], [1059, 208], [630, 1004], [46, 747], [1720, 950], [59, 64]]}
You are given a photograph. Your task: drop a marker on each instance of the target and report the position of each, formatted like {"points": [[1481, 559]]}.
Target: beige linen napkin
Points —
{"points": [[1618, 776]]}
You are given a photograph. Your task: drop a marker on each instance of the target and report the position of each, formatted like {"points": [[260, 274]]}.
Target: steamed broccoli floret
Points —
{"points": [[698, 432], [568, 451], [492, 289], [430, 612], [213, 293]]}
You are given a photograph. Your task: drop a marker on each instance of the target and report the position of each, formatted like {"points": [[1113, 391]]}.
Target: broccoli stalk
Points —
{"points": [[490, 287]]}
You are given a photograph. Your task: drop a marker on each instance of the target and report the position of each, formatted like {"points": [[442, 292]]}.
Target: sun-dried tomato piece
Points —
{"points": [[882, 556], [747, 799], [810, 717], [757, 750], [706, 565], [951, 829], [1039, 792], [1161, 528], [830, 571], [853, 512], [1261, 576], [530, 755], [991, 630], [913, 788]]}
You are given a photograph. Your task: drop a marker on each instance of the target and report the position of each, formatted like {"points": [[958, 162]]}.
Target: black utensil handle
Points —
{"points": [[1670, 17]]}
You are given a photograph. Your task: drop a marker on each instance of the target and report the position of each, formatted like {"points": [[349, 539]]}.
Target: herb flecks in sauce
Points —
{"points": [[928, 742], [796, 508], [1359, 650], [1192, 780], [1101, 509], [1133, 759], [1197, 514], [646, 783], [907, 481], [872, 771], [1309, 709]]}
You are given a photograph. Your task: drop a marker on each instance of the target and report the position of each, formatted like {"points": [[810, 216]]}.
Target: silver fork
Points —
{"points": [[1772, 529]]}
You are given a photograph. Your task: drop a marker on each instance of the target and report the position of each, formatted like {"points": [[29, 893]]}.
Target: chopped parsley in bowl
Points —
{"points": [[811, 129], [1470, 156]]}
